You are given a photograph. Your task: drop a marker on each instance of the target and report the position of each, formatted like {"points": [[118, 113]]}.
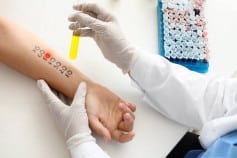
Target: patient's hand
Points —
{"points": [[108, 114]]}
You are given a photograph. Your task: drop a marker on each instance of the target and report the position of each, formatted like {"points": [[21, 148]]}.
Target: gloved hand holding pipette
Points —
{"points": [[106, 32]]}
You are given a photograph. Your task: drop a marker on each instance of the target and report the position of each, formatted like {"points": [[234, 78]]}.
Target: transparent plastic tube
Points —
{"points": [[74, 45]]}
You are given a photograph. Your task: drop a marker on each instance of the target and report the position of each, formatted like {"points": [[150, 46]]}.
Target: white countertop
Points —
{"points": [[27, 129]]}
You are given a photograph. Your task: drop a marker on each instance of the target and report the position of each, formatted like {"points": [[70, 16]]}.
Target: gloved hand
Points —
{"points": [[105, 30], [72, 120]]}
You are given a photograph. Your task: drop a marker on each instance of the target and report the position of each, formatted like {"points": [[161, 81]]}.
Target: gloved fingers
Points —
{"points": [[122, 136], [79, 97], [98, 11], [99, 128], [91, 14], [78, 24], [87, 21], [127, 123], [86, 33], [54, 103], [83, 32]]}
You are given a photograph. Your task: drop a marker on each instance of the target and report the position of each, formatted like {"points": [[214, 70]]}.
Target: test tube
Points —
{"points": [[74, 44]]}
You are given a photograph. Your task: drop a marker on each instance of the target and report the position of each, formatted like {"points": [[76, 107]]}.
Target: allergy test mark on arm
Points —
{"points": [[52, 61]]}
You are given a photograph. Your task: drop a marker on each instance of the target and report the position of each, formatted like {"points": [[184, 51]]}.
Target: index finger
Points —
{"points": [[94, 9]]}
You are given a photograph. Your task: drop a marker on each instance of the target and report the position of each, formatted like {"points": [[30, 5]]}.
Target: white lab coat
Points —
{"points": [[185, 96]]}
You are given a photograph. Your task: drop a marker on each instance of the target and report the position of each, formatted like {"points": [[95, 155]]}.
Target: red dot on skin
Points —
{"points": [[47, 55]]}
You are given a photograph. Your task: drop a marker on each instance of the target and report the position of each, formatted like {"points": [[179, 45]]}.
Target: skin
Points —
{"points": [[108, 114]]}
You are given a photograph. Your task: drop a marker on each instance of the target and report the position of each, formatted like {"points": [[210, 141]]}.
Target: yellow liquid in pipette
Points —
{"points": [[74, 46]]}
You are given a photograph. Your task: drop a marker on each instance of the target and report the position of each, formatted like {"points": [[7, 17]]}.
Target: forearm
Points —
{"points": [[28, 54]]}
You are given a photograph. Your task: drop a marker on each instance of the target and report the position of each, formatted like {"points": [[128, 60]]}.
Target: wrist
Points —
{"points": [[88, 149], [76, 80], [130, 56]]}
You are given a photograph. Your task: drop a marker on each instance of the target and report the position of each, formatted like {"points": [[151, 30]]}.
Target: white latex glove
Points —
{"points": [[72, 120], [103, 27]]}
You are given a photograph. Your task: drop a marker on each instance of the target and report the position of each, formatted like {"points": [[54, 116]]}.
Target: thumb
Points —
{"points": [[98, 127], [79, 98], [54, 103]]}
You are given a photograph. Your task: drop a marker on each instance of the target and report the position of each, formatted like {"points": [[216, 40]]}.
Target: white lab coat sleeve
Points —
{"points": [[216, 128], [88, 150], [184, 96]]}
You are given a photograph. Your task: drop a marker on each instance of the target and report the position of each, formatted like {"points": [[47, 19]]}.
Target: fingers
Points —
{"points": [[125, 133], [117, 134], [87, 21], [99, 128], [79, 97], [54, 103], [96, 10], [126, 137], [132, 106], [122, 136], [86, 33], [125, 108], [127, 123], [128, 117], [83, 32]]}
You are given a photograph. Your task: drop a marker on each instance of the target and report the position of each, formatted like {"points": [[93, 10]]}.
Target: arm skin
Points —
{"points": [[20, 49]]}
